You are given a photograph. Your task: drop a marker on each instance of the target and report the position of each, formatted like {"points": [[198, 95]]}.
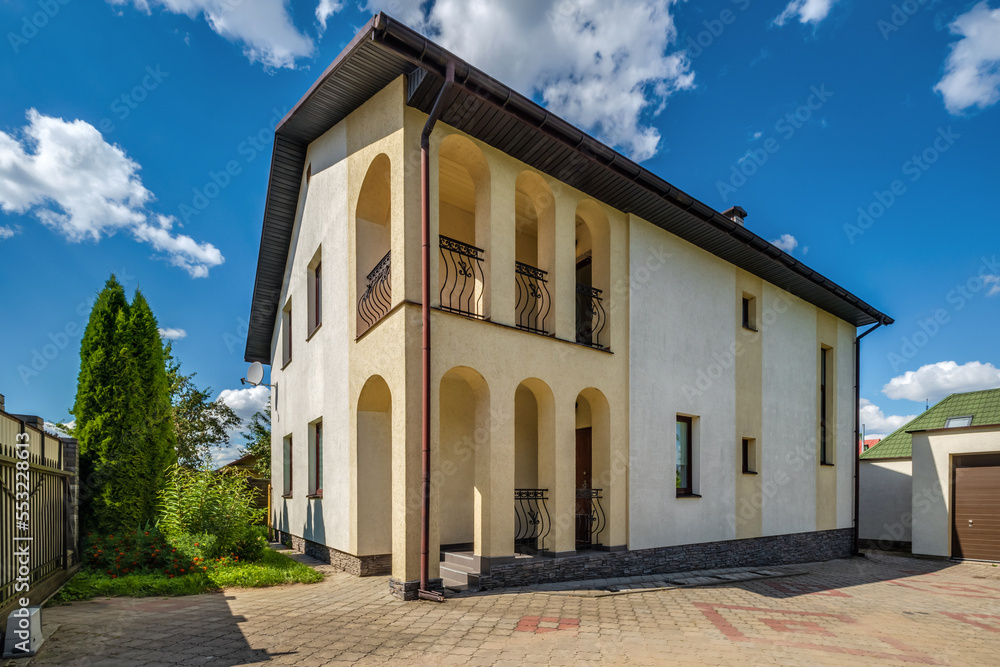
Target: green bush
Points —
{"points": [[201, 503], [250, 545]]}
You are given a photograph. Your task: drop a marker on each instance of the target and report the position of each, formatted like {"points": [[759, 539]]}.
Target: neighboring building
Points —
{"points": [[930, 486], [868, 444], [620, 376], [260, 485]]}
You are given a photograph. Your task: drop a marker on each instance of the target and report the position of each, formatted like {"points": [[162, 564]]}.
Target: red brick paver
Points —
{"points": [[883, 610]]}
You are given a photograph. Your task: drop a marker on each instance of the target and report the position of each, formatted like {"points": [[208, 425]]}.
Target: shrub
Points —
{"points": [[138, 551], [199, 503]]}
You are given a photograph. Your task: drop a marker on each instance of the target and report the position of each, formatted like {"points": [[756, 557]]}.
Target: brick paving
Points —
{"points": [[884, 609]]}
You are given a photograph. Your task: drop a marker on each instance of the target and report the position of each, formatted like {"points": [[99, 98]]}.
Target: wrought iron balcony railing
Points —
{"points": [[377, 297], [533, 300], [590, 316], [590, 518], [531, 520], [462, 278]]}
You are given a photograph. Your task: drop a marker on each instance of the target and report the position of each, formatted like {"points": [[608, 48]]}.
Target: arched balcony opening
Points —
{"points": [[534, 253], [373, 455], [593, 477], [534, 443], [593, 275], [463, 227], [373, 233]]}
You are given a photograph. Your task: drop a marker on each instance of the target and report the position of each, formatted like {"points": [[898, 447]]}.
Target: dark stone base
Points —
{"points": [[752, 552], [404, 590], [359, 566], [885, 545]]}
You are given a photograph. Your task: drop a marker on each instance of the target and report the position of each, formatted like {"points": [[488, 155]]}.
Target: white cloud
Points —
{"points": [[245, 402], [172, 334], [787, 242], [935, 381], [605, 65], [325, 9], [972, 71], [876, 422], [79, 185], [263, 27], [805, 11], [7, 231]]}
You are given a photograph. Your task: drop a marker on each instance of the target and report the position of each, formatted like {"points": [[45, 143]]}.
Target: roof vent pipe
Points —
{"points": [[736, 214]]}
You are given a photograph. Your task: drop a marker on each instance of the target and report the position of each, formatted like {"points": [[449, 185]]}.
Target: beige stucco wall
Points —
{"points": [[673, 316], [932, 492], [886, 494]]}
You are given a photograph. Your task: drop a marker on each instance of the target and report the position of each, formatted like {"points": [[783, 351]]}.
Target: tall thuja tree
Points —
{"points": [[123, 414], [156, 439], [94, 428]]}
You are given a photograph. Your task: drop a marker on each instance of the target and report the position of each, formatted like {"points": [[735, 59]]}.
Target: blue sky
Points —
{"points": [[136, 138]]}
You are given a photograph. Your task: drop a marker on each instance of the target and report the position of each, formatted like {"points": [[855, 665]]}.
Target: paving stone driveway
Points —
{"points": [[883, 609]]}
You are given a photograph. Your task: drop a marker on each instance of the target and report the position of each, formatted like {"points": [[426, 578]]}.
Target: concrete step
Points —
{"points": [[464, 558]]}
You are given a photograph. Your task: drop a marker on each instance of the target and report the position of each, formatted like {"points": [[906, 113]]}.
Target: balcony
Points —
{"points": [[533, 299], [462, 278], [376, 300], [591, 317], [531, 520], [590, 518]]}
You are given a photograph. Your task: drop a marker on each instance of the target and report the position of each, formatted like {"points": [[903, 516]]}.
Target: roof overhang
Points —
{"points": [[503, 118]]}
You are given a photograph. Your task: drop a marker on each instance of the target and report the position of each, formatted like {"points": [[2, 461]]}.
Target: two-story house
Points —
{"points": [[503, 353]]}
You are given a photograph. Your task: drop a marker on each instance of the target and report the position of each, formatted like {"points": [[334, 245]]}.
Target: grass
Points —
{"points": [[272, 569]]}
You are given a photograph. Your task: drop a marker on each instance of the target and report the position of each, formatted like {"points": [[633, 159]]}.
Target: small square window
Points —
{"points": [[958, 422]]}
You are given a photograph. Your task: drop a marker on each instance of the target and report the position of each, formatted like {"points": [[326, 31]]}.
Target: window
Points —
{"points": [[825, 457], [316, 460], [749, 312], [684, 457], [315, 291], [286, 460], [749, 456], [958, 422], [286, 334]]}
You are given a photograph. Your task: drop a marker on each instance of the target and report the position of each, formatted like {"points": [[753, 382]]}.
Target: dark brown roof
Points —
{"points": [[503, 118]]}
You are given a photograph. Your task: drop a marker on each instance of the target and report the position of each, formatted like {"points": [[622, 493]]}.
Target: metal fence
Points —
{"points": [[38, 517]]}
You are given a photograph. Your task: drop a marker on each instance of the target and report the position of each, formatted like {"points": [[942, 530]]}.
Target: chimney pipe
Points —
{"points": [[736, 214]]}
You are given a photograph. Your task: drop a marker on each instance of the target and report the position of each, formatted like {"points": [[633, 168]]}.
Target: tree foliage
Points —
{"points": [[200, 423], [258, 441], [122, 424]]}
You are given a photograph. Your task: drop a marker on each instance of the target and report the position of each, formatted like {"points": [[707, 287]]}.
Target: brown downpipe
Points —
{"points": [[425, 324], [857, 433]]}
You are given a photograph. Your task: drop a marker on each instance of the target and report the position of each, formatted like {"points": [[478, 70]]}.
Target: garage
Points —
{"points": [[976, 513]]}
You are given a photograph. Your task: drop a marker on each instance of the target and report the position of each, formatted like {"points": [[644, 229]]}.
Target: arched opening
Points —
{"points": [[593, 275], [534, 252], [463, 227], [374, 468], [593, 469], [464, 425], [534, 438], [373, 227]]}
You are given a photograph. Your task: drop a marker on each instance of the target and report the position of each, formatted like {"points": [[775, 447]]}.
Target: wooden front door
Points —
{"points": [[584, 473], [976, 513]]}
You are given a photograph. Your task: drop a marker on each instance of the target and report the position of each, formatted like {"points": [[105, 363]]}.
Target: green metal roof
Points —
{"points": [[984, 406]]}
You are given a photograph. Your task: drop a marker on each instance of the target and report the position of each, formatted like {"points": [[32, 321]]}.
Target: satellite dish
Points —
{"points": [[256, 373]]}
